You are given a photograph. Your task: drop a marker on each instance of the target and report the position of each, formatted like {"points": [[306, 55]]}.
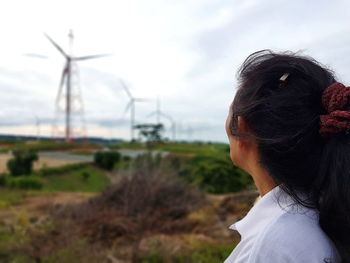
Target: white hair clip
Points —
{"points": [[284, 77]]}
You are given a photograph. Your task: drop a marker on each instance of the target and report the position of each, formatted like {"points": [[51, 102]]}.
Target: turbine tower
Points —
{"points": [[37, 124], [131, 106], [69, 93]]}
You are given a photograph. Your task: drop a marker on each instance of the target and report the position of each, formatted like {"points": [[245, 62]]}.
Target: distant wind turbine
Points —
{"points": [[158, 113], [186, 131], [131, 106], [37, 124], [173, 124]]}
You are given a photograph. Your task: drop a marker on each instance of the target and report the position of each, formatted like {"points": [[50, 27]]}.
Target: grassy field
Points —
{"points": [[184, 148], [28, 229], [11, 197], [74, 181], [86, 178]]}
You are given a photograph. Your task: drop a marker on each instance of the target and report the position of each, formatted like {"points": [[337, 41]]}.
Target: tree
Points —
{"points": [[151, 132], [22, 162], [107, 160]]}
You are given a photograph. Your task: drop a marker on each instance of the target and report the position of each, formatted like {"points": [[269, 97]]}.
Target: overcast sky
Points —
{"points": [[186, 52]]}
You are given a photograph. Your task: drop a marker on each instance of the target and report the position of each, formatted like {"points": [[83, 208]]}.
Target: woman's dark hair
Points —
{"points": [[283, 115]]}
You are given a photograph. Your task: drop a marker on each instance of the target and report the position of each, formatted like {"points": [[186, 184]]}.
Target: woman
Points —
{"points": [[288, 127]]}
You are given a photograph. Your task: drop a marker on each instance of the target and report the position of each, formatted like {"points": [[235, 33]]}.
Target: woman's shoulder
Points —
{"points": [[295, 236]]}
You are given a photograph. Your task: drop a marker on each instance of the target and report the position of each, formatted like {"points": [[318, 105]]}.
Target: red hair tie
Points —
{"points": [[336, 101]]}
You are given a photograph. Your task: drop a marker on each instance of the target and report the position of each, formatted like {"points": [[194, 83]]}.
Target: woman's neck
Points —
{"points": [[263, 181]]}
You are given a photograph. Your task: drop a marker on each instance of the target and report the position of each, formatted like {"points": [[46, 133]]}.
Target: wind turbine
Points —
{"points": [[189, 132], [66, 80], [158, 113], [173, 124], [37, 124], [131, 106], [185, 130]]}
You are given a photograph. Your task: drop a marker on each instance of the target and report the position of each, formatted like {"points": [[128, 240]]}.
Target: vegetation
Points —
{"points": [[144, 207], [73, 178], [28, 183], [73, 181], [197, 148], [203, 252], [2, 180], [143, 202], [11, 197], [45, 171], [152, 133], [215, 174], [22, 162], [193, 148], [107, 159]]}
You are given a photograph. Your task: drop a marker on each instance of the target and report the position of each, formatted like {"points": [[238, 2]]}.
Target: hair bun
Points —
{"points": [[336, 101], [336, 97]]}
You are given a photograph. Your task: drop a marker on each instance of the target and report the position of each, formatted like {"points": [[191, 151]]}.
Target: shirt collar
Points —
{"points": [[270, 206]]}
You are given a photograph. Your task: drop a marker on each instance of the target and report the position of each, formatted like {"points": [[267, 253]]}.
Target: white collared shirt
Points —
{"points": [[276, 230]]}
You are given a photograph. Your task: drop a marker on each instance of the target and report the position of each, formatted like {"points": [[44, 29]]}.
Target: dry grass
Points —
{"points": [[106, 227], [138, 205], [142, 203], [147, 208]]}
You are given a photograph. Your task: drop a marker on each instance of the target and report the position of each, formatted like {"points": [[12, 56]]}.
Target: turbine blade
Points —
{"points": [[166, 116], [151, 114], [91, 57], [56, 45], [128, 106], [35, 55], [126, 89], [64, 73], [141, 99], [36, 119]]}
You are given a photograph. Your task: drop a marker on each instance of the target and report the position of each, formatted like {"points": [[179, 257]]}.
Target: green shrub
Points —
{"points": [[215, 174], [73, 180], [153, 258], [126, 158], [22, 162], [45, 171], [85, 176], [214, 253], [107, 160], [203, 253], [2, 180], [25, 183]]}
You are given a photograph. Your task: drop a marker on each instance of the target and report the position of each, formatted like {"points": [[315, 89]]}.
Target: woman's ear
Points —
{"points": [[242, 125], [245, 142], [247, 148]]}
